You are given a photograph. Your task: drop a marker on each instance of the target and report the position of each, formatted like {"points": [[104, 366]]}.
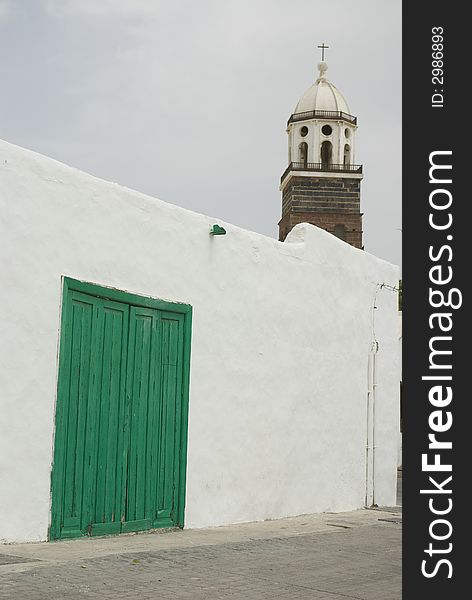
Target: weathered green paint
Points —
{"points": [[121, 415]]}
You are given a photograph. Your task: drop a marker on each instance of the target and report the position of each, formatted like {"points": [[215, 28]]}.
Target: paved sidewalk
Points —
{"points": [[355, 555]]}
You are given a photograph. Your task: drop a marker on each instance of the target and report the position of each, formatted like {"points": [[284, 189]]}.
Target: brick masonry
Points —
{"points": [[326, 203]]}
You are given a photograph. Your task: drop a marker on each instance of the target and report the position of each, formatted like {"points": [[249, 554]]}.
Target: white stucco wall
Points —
{"points": [[280, 345], [314, 138]]}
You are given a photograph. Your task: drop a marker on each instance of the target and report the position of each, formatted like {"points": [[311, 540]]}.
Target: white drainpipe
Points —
{"points": [[371, 394], [370, 441]]}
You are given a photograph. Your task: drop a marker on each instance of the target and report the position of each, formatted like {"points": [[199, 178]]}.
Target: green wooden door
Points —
{"points": [[121, 416]]}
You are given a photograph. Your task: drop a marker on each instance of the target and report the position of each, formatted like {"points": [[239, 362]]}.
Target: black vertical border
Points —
{"points": [[427, 129]]}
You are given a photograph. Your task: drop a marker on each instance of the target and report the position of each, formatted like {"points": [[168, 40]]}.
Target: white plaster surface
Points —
{"points": [[322, 95], [314, 138], [281, 338]]}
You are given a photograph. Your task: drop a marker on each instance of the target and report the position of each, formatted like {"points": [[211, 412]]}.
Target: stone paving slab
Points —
{"points": [[10, 559], [317, 557]]}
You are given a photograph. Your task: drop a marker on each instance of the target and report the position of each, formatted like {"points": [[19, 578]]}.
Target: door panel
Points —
{"points": [[76, 415], [152, 371], [141, 395], [171, 346], [107, 452], [93, 396]]}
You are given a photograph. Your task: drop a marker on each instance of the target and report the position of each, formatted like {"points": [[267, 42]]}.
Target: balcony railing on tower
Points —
{"points": [[322, 167], [322, 114]]}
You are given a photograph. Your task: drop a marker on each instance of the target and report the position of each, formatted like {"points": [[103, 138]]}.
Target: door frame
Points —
{"points": [[57, 466]]}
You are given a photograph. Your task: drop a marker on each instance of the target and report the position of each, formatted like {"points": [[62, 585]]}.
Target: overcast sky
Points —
{"points": [[187, 100]]}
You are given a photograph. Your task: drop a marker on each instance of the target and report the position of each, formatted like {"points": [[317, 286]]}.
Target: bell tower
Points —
{"points": [[321, 184]]}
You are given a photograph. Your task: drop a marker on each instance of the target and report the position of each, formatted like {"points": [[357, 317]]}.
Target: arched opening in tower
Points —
{"points": [[347, 154], [303, 153], [326, 154]]}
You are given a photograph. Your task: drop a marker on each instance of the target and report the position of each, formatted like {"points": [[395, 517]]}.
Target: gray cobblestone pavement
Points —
{"points": [[344, 556]]}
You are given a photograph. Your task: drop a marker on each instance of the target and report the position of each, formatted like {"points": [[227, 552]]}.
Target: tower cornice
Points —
{"points": [[320, 170]]}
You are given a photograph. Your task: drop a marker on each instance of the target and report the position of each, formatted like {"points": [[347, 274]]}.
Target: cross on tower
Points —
{"points": [[323, 48]]}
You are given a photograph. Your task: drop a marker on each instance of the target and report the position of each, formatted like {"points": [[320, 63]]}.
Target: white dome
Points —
{"points": [[322, 95]]}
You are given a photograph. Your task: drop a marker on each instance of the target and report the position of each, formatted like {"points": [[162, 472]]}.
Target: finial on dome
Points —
{"points": [[322, 67]]}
